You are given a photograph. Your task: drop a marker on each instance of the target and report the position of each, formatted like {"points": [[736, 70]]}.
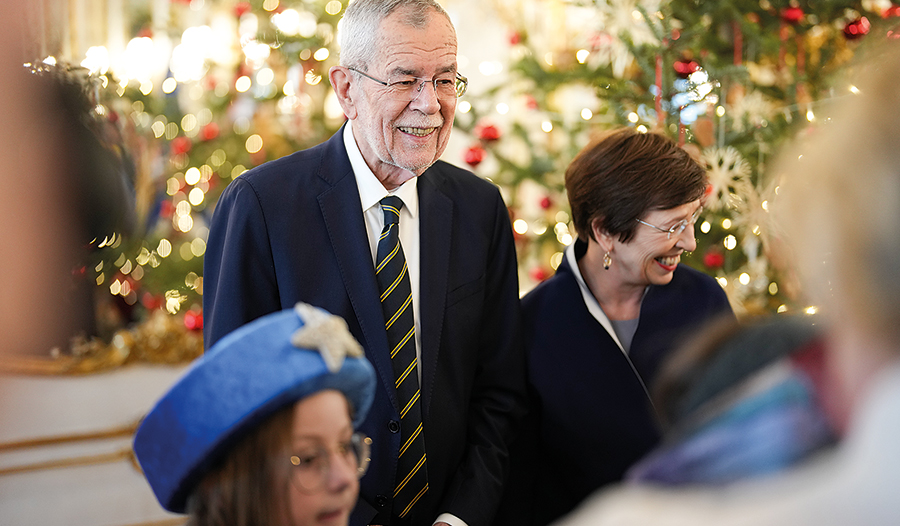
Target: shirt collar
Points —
{"points": [[371, 191], [593, 306]]}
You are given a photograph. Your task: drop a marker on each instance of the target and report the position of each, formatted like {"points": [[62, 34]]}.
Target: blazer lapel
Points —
{"points": [[342, 211], [435, 229]]}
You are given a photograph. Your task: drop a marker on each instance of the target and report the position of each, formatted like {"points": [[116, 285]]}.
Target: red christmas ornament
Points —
{"points": [[546, 202], [181, 145], [538, 274], [241, 9], [891, 12], [857, 28], [713, 259], [792, 15], [166, 209], [474, 155], [487, 132], [193, 320], [515, 38], [210, 131], [600, 40], [531, 103], [684, 67], [150, 301]]}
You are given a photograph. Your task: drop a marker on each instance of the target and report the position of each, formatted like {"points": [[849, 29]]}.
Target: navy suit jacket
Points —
{"points": [[590, 416], [293, 230]]}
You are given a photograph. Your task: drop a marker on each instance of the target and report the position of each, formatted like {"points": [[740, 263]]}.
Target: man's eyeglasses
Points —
{"points": [[409, 88], [678, 227], [310, 469]]}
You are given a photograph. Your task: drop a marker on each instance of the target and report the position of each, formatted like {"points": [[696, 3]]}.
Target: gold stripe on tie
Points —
{"points": [[408, 477], [392, 276], [399, 313], [410, 440], [413, 503], [393, 285], [387, 259], [412, 331], [412, 401], [411, 368]]}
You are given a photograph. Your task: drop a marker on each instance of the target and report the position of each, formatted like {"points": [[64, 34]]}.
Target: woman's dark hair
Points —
{"points": [[623, 175]]}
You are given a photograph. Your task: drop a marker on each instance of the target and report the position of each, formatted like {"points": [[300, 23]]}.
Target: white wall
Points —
{"points": [[107, 493]]}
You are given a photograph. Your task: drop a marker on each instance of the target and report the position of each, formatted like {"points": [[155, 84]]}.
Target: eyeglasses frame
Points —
{"points": [[362, 445], [460, 80], [678, 227]]}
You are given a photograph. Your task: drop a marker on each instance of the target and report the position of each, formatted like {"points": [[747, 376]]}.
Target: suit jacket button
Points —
{"points": [[394, 426], [381, 500]]}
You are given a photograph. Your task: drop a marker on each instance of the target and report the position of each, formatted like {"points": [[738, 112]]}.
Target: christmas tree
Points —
{"points": [[243, 83], [730, 81]]}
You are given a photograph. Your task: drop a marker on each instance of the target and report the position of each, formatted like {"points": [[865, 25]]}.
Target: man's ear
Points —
{"points": [[341, 82]]}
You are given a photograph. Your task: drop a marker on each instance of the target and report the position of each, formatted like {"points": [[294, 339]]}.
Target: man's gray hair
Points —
{"points": [[358, 29]]}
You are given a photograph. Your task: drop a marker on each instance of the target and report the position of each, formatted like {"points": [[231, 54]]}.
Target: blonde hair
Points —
{"points": [[839, 203]]}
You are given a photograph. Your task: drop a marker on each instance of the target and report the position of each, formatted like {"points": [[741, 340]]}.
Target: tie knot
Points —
{"points": [[391, 206]]}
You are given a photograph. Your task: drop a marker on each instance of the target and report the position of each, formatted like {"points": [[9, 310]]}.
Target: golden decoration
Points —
{"points": [[161, 339]]}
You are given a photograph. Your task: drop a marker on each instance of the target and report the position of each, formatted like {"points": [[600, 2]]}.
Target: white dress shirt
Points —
{"points": [[371, 192]]}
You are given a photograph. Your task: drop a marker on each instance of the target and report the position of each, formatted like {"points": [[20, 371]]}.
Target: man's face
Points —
{"points": [[400, 139]]}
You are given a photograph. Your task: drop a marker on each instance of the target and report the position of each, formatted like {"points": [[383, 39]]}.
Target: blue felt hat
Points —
{"points": [[244, 378]]}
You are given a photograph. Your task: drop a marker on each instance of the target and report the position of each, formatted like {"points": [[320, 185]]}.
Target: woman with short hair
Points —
{"points": [[597, 331]]}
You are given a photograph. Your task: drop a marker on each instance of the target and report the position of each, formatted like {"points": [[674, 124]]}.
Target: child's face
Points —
{"points": [[324, 483]]}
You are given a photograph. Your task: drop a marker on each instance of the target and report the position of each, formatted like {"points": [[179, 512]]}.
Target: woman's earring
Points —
{"points": [[607, 261]]}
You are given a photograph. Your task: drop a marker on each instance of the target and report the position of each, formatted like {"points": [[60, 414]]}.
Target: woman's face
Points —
{"points": [[320, 438], [651, 256]]}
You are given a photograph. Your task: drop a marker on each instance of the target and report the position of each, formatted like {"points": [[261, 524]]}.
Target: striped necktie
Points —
{"points": [[396, 304]]}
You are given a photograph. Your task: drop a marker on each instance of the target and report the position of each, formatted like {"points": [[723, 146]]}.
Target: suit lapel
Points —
{"points": [[435, 229], [346, 228]]}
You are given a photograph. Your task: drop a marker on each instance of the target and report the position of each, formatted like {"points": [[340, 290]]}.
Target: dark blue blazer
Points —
{"points": [[293, 230], [590, 416]]}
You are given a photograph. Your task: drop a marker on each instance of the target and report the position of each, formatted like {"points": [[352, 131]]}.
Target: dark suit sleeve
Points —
{"points": [[498, 394], [238, 270]]}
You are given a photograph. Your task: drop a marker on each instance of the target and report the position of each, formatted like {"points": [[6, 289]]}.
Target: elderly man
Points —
{"points": [[422, 268]]}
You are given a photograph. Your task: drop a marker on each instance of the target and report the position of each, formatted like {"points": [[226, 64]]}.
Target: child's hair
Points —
{"points": [[249, 485]]}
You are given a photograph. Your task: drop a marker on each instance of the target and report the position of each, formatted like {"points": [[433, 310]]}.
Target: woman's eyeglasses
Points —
{"points": [[678, 227]]}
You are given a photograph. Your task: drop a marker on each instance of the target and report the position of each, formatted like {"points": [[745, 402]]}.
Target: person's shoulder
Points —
{"points": [[691, 285], [286, 176], [552, 293], [292, 165], [450, 177], [688, 276]]}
